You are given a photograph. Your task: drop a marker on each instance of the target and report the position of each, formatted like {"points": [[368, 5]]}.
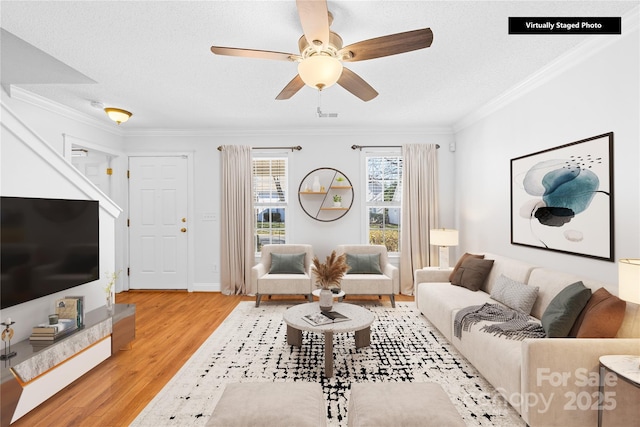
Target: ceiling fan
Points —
{"points": [[321, 52]]}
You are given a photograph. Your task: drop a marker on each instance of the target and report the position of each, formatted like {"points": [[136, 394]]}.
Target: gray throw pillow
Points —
{"points": [[564, 309], [364, 264], [287, 263], [472, 273], [514, 294]]}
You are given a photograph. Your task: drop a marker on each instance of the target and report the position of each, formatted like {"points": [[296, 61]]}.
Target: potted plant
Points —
{"points": [[337, 200], [340, 180], [329, 275]]}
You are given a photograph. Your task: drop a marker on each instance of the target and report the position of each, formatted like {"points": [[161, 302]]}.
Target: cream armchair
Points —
{"points": [[283, 271], [363, 279]]}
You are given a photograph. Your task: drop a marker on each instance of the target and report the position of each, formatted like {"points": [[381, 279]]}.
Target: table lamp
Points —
{"points": [[629, 281], [443, 237]]}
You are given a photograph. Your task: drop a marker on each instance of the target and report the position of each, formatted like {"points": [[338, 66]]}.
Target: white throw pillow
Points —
{"points": [[514, 294]]}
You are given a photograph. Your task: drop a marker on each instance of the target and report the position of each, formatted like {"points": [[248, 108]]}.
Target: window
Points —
{"points": [[383, 199], [270, 196]]}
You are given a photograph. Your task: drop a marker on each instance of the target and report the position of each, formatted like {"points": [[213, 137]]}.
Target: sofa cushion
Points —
{"points": [[472, 273], [439, 301], [601, 317], [514, 294], [287, 263], [363, 263], [564, 309], [460, 261], [497, 358], [512, 268]]}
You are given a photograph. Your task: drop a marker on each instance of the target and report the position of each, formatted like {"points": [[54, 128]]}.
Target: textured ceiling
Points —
{"points": [[153, 58]]}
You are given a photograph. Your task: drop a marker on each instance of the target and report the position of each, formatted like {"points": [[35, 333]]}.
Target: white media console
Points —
{"points": [[36, 373]]}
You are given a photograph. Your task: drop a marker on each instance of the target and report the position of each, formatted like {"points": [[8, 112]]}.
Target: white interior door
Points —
{"points": [[158, 222]]}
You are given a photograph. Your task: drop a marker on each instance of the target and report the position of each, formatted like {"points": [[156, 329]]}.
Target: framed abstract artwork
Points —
{"points": [[562, 198]]}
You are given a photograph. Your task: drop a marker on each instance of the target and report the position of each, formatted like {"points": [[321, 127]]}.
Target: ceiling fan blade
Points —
{"points": [[392, 44], [291, 88], [252, 53], [356, 85], [314, 18]]}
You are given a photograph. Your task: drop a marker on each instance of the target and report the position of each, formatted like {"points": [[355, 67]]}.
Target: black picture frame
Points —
{"points": [[562, 199]]}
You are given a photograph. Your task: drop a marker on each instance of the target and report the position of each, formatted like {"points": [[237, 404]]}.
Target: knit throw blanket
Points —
{"points": [[511, 324]]}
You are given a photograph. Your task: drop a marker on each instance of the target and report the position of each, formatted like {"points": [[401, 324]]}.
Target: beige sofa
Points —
{"points": [[267, 283], [549, 381], [387, 283]]}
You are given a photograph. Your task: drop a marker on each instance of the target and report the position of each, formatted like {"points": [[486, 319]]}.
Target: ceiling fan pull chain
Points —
{"points": [[320, 113]]}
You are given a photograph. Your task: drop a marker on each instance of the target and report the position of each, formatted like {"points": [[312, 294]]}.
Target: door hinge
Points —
{"points": [[128, 222], [128, 174], [109, 171], [128, 271]]}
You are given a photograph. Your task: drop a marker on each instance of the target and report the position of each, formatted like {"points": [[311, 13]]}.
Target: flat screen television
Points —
{"points": [[46, 246]]}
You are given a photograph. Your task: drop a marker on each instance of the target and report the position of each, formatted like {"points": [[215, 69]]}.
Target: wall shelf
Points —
{"points": [[322, 208]]}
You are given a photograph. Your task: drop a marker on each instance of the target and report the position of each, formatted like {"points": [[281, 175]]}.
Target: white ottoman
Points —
{"points": [[401, 405], [270, 405]]}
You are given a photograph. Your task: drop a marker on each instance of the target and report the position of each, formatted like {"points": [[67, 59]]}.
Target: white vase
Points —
{"points": [[110, 303], [337, 204], [316, 184], [326, 300]]}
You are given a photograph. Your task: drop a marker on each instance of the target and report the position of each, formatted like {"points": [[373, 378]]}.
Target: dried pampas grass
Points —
{"points": [[330, 273]]}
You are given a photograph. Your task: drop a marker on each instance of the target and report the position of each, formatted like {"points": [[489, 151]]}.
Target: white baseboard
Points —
{"points": [[206, 287]]}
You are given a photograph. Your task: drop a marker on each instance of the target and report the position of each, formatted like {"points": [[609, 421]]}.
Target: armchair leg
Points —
{"points": [[393, 300], [258, 296]]}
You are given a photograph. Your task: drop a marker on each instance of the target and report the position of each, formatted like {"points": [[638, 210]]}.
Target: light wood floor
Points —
{"points": [[170, 327]]}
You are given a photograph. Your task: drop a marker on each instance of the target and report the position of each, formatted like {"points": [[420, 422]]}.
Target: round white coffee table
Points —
{"points": [[360, 320]]}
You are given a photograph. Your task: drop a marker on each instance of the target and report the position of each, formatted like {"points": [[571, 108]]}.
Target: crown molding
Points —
{"points": [[287, 132], [41, 102], [580, 53], [62, 110]]}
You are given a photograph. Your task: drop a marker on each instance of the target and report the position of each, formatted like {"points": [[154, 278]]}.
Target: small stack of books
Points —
{"points": [[46, 332], [325, 317]]}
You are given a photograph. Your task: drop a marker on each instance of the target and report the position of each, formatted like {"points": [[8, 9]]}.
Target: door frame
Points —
{"points": [[191, 228], [119, 196]]}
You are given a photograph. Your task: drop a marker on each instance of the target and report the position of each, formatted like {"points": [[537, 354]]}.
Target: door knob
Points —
{"points": [[184, 230], [184, 220]]}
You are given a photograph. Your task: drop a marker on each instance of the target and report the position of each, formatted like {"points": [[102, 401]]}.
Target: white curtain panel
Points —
{"points": [[419, 210], [237, 254]]}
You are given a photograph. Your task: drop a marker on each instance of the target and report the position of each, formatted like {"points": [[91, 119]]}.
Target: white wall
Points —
{"points": [[319, 149], [595, 94], [32, 168]]}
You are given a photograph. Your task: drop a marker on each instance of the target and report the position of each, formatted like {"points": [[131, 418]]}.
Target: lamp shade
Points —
{"points": [[320, 71], [117, 115], [443, 237], [629, 280]]}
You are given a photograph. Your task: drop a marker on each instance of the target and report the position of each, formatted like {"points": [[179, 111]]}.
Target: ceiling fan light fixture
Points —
{"points": [[118, 115], [320, 71]]}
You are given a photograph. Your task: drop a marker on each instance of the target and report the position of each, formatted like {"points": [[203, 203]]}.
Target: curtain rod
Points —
{"points": [[360, 147], [293, 148]]}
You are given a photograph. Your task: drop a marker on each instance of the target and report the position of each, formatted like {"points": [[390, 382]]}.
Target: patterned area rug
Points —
{"points": [[251, 345]]}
